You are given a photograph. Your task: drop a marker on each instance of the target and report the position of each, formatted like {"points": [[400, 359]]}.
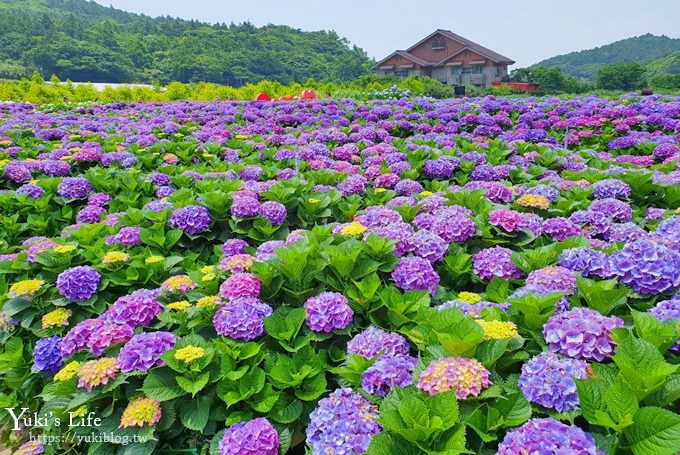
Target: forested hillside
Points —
{"points": [[585, 64], [84, 41]]}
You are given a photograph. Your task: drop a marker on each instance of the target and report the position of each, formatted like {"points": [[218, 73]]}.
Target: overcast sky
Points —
{"points": [[524, 30]]}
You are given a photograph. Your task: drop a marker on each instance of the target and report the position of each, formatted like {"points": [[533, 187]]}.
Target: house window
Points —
{"points": [[401, 73], [499, 71], [438, 44], [477, 69], [456, 70]]}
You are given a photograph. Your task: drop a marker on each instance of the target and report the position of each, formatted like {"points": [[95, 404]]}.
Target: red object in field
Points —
{"points": [[262, 97], [308, 95], [519, 86]]}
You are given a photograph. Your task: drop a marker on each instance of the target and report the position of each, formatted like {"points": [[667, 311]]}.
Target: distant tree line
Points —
{"points": [[617, 76], [84, 41]]}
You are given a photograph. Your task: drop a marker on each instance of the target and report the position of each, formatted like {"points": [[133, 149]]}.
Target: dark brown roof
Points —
{"points": [[495, 56], [471, 45], [407, 56]]}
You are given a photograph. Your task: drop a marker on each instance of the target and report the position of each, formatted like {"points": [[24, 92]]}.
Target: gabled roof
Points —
{"points": [[491, 55], [407, 56]]}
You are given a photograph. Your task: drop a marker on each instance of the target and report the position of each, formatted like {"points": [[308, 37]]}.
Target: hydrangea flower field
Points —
{"points": [[469, 276]]}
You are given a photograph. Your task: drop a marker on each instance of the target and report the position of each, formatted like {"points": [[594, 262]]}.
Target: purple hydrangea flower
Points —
{"points": [[144, 351], [508, 220], [107, 335], [587, 261], [74, 188], [388, 372], [90, 214], [78, 283], [400, 232], [242, 318], [234, 246], [495, 262], [554, 279], [240, 285], [429, 245], [76, 339], [343, 419], [613, 208], [408, 187], [245, 206], [255, 437], [415, 274], [30, 190], [548, 380], [560, 228], [547, 436], [137, 309], [127, 236], [268, 249], [611, 188], [274, 212], [328, 311], [581, 333], [453, 227], [47, 356], [374, 340], [192, 219], [648, 267], [354, 184]]}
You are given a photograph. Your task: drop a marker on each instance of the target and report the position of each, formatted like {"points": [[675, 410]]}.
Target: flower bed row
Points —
{"points": [[393, 277]]}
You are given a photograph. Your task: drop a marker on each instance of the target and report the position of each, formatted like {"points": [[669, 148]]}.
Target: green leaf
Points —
{"points": [[655, 431], [641, 363], [193, 385], [194, 414], [514, 409], [286, 410], [497, 290], [621, 402], [659, 334], [591, 396], [602, 295], [160, 385]]}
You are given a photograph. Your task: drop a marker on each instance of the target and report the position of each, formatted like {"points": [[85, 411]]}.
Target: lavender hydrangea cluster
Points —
{"points": [[343, 419], [547, 436], [611, 188], [648, 267], [548, 380], [108, 335], [47, 355], [74, 188], [374, 340], [581, 333], [254, 437], [144, 351], [242, 318], [137, 309], [78, 283], [587, 261], [192, 219], [274, 212], [388, 372], [495, 262], [415, 274], [76, 339], [553, 278], [240, 285], [328, 311]]}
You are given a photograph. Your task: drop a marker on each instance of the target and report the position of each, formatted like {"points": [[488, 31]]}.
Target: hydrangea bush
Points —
{"points": [[408, 276]]}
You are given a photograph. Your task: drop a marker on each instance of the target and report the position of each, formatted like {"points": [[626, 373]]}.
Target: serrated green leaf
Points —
{"points": [[655, 431]]}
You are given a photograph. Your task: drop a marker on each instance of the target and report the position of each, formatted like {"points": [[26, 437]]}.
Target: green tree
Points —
{"points": [[622, 76]]}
